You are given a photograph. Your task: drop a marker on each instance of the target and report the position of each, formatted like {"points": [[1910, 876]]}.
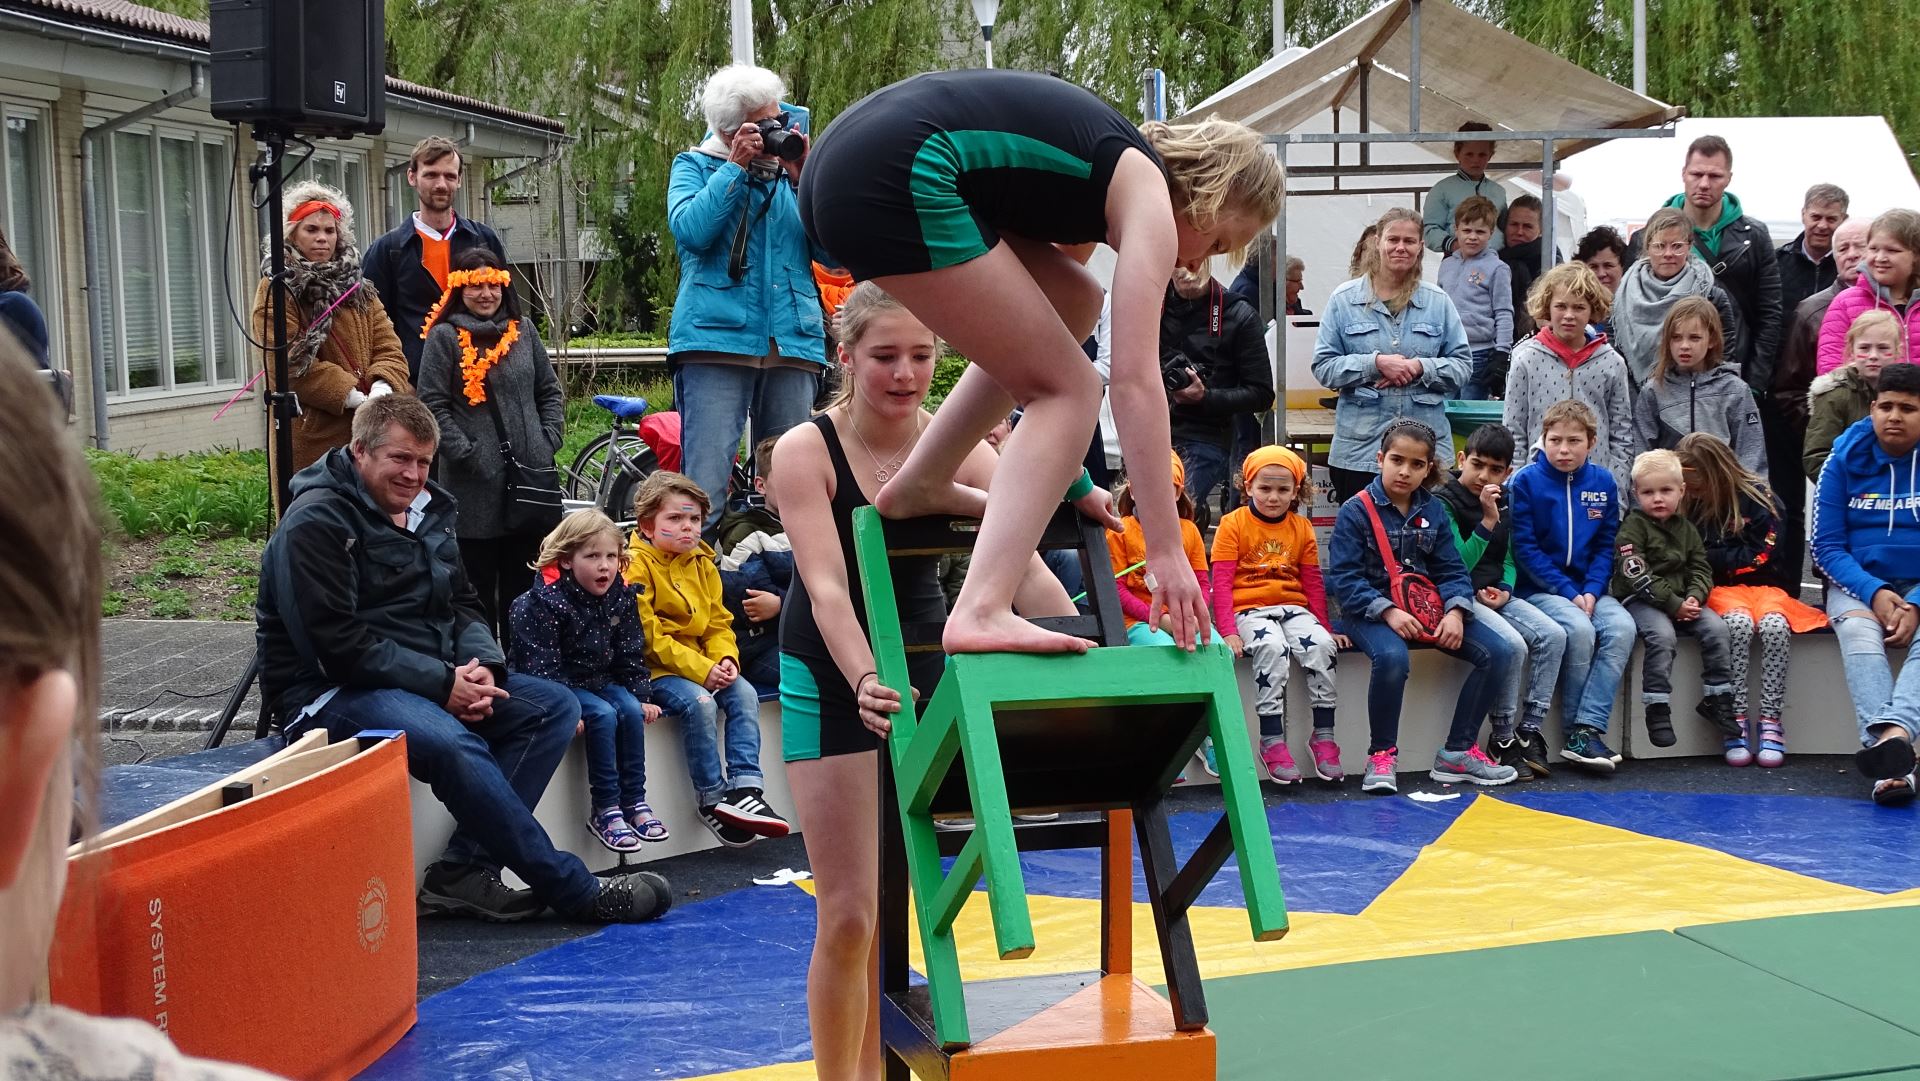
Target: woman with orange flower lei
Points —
{"points": [[479, 354]]}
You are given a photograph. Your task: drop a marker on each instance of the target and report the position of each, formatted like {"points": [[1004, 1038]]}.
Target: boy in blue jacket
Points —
{"points": [[1566, 511], [1866, 540]]}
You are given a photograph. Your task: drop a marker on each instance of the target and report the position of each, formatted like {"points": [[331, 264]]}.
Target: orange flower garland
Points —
{"points": [[474, 365], [482, 276]]}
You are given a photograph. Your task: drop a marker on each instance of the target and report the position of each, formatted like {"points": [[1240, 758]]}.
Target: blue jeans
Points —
{"points": [[1543, 644], [616, 746], [1065, 565], [1878, 700], [1597, 653], [714, 402], [1206, 468], [1489, 657], [699, 714], [490, 774], [1476, 387]]}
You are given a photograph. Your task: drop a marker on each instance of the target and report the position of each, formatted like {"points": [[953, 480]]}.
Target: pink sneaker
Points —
{"points": [[1279, 762], [1326, 760]]}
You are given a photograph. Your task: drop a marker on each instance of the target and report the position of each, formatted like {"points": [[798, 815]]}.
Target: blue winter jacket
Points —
{"points": [[567, 635], [776, 298], [1563, 527], [1355, 330], [1866, 517], [1422, 541]]}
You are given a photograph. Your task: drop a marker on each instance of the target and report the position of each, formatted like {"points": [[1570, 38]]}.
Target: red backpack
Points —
{"points": [[1414, 594]]}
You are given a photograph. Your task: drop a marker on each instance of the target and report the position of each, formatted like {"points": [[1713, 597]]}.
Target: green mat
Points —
{"points": [[1644, 1006], [1864, 959]]}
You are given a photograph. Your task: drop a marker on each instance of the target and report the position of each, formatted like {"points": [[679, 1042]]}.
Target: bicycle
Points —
{"points": [[607, 472]]}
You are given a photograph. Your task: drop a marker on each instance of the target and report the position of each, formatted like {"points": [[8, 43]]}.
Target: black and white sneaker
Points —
{"points": [[730, 835], [746, 809], [453, 889]]}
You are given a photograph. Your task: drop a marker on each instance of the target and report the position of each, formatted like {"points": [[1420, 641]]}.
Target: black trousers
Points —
{"points": [[1348, 483], [499, 569], [1785, 438]]}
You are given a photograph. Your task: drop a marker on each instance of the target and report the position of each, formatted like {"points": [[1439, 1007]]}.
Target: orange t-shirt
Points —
{"points": [[1267, 558], [1129, 546], [436, 256]]}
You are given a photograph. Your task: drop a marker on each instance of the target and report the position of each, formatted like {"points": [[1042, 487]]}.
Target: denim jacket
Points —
{"points": [[777, 298], [1422, 541], [1354, 331]]}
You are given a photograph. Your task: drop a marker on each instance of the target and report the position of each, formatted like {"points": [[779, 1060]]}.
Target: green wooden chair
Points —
{"points": [[1006, 733]]}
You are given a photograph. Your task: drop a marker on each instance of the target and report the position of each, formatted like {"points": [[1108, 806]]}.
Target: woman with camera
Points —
{"points": [[747, 336]]}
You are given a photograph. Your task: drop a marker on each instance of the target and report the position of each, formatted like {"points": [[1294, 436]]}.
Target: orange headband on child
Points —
{"points": [[1179, 473], [312, 206], [1265, 456], [486, 275]]}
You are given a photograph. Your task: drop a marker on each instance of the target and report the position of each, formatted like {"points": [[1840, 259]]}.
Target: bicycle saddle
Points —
{"points": [[620, 406]]}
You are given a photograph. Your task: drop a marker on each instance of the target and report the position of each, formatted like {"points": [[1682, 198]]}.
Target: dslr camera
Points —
{"points": [[778, 138], [1175, 370]]}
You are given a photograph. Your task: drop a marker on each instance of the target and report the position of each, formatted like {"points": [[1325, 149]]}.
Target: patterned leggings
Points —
{"points": [[1776, 639]]}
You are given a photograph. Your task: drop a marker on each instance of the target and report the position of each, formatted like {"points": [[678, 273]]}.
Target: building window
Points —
{"points": [[26, 209], [171, 244], [399, 201], [345, 170]]}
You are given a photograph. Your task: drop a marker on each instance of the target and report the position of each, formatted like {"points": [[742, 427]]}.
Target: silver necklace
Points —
{"points": [[884, 469]]}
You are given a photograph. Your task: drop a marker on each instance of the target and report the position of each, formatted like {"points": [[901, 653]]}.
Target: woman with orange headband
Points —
{"points": [[485, 375], [341, 348]]}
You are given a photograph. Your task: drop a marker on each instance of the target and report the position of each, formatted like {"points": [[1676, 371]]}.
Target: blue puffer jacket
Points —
{"points": [[1866, 517], [1422, 541], [1563, 527], [776, 298], [565, 634]]}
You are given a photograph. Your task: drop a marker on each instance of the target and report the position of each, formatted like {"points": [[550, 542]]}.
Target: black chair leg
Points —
{"points": [[1170, 923]]}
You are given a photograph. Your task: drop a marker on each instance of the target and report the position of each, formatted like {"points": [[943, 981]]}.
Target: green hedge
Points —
{"points": [[222, 493]]}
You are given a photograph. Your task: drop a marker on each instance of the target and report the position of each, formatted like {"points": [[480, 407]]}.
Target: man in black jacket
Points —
{"points": [[1213, 353], [409, 265], [365, 619], [1806, 261]]}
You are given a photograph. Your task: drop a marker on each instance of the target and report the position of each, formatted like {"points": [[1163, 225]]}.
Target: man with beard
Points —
{"points": [[409, 265]]}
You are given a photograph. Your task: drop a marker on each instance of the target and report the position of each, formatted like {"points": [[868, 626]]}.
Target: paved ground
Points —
{"points": [[165, 681]]}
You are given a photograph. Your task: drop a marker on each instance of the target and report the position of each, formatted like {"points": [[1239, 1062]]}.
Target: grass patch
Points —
{"points": [[223, 493], [113, 603], [618, 340], [169, 604]]}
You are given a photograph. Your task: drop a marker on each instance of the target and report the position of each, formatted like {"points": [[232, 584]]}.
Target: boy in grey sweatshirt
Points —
{"points": [[1481, 287]]}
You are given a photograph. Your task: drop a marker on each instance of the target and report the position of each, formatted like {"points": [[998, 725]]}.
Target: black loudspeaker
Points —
{"points": [[315, 67]]}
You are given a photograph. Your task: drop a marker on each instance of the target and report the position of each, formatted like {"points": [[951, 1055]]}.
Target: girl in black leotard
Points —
{"points": [[950, 191], [834, 711]]}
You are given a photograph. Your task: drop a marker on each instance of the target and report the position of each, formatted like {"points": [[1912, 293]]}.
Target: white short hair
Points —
{"points": [[734, 91]]}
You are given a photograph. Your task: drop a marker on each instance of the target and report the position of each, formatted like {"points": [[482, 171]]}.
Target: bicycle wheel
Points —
{"points": [[590, 464], [618, 504]]}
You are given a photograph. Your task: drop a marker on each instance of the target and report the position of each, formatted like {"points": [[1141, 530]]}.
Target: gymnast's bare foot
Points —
{"points": [[901, 498], [1003, 632]]}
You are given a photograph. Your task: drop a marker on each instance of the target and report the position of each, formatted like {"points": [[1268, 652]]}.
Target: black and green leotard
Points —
{"points": [[928, 172]]}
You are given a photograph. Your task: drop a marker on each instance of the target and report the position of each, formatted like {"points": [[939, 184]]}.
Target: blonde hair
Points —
{"points": [[1702, 311], [1876, 319], [863, 305], [658, 486], [1570, 411], [1576, 278], [1218, 167], [1664, 220], [1403, 295], [1903, 226], [574, 531], [1657, 463], [307, 191], [1361, 262], [1720, 482]]}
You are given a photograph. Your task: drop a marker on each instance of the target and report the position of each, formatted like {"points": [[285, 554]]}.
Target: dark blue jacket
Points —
{"points": [[1422, 541], [392, 266], [21, 315], [1866, 517], [563, 633], [769, 572], [1563, 527]]}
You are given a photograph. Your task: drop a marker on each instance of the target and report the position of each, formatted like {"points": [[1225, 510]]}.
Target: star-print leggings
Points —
{"points": [[1274, 635], [1776, 643]]}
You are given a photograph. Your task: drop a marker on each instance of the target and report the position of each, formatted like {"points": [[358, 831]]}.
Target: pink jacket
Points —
{"points": [[1852, 302]]}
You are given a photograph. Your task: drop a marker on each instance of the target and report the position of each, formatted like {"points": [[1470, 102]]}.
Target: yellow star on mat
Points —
{"points": [[1501, 875]]}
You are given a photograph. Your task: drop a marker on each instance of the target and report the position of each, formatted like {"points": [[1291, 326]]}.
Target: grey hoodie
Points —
{"points": [[1716, 401]]}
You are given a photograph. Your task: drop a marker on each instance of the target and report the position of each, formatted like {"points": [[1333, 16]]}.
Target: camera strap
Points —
{"points": [[737, 257]]}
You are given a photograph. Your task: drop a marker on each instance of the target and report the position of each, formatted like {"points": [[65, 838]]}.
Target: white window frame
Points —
{"points": [[43, 266], [339, 155], [215, 318]]}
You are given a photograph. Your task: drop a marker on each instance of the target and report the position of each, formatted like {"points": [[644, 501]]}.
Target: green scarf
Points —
{"points": [[1710, 236]]}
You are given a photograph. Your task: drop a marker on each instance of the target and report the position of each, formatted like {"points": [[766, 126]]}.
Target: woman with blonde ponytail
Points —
{"points": [[953, 191]]}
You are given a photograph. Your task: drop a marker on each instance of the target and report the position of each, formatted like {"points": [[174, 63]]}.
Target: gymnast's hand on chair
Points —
{"points": [[878, 704], [1098, 505], [473, 693], [1177, 593]]}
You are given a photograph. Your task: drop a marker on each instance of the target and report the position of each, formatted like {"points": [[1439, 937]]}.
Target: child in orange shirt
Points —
{"points": [[1268, 600], [1128, 551]]}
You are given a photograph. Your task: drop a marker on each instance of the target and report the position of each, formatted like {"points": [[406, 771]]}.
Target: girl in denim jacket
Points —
{"points": [[1420, 536], [1393, 346]]}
